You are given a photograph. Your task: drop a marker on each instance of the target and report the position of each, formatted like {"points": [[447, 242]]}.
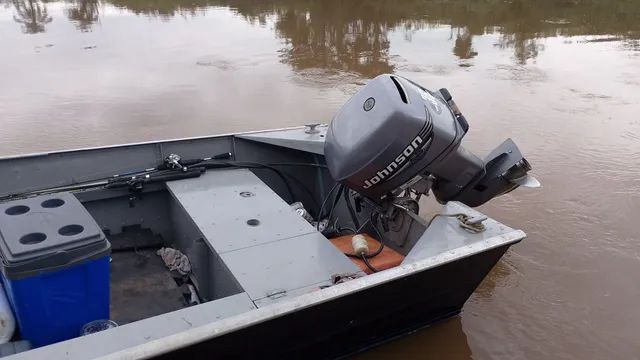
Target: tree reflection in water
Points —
{"points": [[32, 15], [353, 35], [84, 13], [336, 35]]}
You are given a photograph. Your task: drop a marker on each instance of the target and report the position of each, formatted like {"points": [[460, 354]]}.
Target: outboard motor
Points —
{"points": [[394, 135]]}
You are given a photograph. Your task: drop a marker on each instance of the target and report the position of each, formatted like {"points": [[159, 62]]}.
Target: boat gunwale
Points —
{"points": [[250, 318], [142, 143]]}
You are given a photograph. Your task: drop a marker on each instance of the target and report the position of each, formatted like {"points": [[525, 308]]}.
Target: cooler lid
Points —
{"points": [[47, 231]]}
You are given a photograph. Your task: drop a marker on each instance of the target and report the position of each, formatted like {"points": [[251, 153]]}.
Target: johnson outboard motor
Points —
{"points": [[394, 135]]}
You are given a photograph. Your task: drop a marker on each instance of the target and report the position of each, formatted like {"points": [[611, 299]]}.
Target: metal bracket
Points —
{"points": [[173, 161]]}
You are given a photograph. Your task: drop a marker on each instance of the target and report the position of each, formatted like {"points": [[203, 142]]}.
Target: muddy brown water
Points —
{"points": [[560, 77]]}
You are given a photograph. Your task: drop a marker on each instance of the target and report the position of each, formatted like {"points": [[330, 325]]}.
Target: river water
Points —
{"points": [[561, 77]]}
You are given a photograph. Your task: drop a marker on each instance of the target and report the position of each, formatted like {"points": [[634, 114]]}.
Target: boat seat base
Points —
{"points": [[268, 248]]}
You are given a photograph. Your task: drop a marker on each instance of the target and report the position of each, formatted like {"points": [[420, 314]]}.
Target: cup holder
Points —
{"points": [[52, 203], [33, 238], [70, 230], [17, 210]]}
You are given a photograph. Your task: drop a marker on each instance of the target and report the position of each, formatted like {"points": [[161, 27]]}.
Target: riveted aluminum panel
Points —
{"points": [[234, 209], [445, 233], [299, 139], [276, 268]]}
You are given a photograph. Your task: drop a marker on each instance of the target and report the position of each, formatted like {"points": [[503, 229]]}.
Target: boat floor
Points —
{"points": [[141, 285]]}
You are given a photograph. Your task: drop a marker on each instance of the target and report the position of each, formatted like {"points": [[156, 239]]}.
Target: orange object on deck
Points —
{"points": [[388, 258]]}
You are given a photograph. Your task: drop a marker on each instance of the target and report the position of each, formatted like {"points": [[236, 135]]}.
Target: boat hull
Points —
{"points": [[357, 321], [438, 275]]}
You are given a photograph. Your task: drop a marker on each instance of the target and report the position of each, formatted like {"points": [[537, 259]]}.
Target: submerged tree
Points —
{"points": [[32, 15]]}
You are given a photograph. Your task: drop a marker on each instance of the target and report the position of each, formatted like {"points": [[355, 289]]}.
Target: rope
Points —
{"points": [[463, 221]]}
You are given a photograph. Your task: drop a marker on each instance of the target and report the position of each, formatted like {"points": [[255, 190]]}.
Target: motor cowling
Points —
{"points": [[394, 132]]}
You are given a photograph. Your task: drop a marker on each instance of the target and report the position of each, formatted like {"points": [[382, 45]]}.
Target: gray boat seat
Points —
{"points": [[271, 251]]}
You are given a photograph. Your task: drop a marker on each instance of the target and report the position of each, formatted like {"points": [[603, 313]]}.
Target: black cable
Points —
{"points": [[160, 176], [324, 202], [250, 165], [210, 163], [299, 164], [281, 175], [322, 166], [377, 252], [341, 229], [335, 202], [304, 187], [375, 227], [366, 262], [352, 212]]}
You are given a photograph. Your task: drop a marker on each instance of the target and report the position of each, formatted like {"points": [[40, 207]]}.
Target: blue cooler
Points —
{"points": [[55, 266]]}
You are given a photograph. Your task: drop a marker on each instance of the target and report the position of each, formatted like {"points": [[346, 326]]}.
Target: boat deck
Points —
{"points": [[141, 285]]}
